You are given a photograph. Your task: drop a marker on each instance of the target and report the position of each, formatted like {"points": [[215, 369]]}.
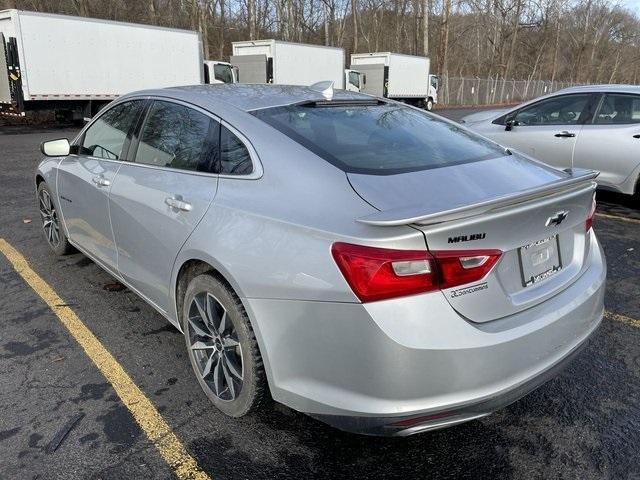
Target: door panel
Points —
{"points": [[83, 196], [611, 149], [85, 180], [548, 129], [149, 232], [158, 200], [611, 143], [541, 142]]}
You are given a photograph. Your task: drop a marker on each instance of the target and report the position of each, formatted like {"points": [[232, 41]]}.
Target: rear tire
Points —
{"points": [[222, 347], [51, 226]]}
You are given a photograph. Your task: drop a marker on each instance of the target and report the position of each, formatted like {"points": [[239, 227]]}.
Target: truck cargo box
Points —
{"points": [[286, 63]]}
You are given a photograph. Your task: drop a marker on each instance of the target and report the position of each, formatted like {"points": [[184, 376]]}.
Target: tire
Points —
{"points": [[429, 104], [227, 364], [51, 226]]}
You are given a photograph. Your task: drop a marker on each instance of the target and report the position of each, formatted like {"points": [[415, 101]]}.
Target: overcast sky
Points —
{"points": [[633, 5]]}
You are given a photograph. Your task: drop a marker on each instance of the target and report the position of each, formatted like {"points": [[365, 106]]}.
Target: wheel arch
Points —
{"points": [[190, 266]]}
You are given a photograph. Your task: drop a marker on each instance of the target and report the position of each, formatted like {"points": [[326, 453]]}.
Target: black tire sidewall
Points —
{"points": [[246, 399], [63, 247]]}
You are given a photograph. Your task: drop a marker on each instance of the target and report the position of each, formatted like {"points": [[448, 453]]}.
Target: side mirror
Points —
{"points": [[509, 124], [56, 148], [364, 79]]}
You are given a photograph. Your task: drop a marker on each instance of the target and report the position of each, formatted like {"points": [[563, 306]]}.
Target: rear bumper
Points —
{"points": [[414, 362]]}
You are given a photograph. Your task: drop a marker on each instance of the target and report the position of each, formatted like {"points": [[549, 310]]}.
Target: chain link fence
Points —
{"points": [[493, 91]]}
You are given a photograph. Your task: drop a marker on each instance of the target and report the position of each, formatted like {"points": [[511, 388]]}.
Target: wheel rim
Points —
{"points": [[49, 216], [214, 347]]}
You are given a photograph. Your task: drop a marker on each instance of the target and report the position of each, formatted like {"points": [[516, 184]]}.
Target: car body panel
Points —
{"points": [[352, 359], [611, 149], [148, 232], [86, 204]]}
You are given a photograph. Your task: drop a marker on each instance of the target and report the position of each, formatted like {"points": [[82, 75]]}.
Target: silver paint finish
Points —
{"points": [[270, 237], [611, 149]]}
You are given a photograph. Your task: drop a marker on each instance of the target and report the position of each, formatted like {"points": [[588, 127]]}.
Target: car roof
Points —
{"points": [[247, 97], [614, 88]]}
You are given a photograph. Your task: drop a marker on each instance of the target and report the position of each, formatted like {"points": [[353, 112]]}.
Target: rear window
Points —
{"points": [[379, 139]]}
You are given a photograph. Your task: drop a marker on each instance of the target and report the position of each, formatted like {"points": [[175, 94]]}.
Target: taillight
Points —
{"points": [[458, 267], [380, 273], [589, 223]]}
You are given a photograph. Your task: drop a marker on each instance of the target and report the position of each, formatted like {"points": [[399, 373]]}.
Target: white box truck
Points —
{"points": [[397, 76], [75, 65], [286, 63]]}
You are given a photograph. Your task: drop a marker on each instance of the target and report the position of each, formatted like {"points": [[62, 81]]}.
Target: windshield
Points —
{"points": [[223, 73], [380, 139]]}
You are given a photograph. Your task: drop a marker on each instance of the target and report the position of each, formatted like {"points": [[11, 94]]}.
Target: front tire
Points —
{"points": [[51, 226], [429, 104], [222, 347]]}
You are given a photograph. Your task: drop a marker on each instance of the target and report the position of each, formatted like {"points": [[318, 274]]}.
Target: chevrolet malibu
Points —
{"points": [[370, 264]]}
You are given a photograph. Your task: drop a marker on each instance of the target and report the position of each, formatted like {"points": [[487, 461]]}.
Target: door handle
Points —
{"points": [[565, 134], [101, 181], [178, 204], [637, 135]]}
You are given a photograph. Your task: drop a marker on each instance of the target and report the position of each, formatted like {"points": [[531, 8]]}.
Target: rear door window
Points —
{"points": [[618, 109], [108, 135], [379, 139], [177, 136]]}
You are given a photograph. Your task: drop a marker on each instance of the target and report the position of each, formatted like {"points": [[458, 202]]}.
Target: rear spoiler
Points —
{"points": [[579, 179]]}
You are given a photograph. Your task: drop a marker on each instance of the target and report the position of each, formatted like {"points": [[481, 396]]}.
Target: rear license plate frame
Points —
{"points": [[531, 274]]}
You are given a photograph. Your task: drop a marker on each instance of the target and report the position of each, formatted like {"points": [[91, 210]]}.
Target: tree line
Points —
{"points": [[583, 41]]}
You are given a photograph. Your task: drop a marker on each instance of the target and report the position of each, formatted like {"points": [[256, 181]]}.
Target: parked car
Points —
{"points": [[360, 260], [595, 127]]}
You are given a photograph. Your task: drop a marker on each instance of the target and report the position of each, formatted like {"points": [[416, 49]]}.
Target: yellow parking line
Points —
{"points": [[622, 319], [617, 217], [147, 416]]}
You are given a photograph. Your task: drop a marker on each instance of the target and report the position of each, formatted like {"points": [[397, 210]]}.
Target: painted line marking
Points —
{"points": [[146, 415], [617, 217], [622, 319]]}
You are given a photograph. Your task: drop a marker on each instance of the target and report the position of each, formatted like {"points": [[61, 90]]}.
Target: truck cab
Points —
{"points": [[354, 80], [434, 84], [216, 71]]}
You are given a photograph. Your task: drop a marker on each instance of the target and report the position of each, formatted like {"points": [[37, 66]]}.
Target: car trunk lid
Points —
{"points": [[532, 213]]}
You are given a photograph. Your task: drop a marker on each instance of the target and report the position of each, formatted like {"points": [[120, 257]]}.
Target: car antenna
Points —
{"points": [[325, 88]]}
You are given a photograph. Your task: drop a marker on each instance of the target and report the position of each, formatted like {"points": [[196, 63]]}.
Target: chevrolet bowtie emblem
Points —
{"points": [[557, 218]]}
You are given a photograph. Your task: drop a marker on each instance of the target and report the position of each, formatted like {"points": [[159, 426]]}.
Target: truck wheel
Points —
{"points": [[429, 104]]}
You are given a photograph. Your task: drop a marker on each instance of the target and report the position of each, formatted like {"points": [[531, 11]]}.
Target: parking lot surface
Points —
{"points": [[62, 418]]}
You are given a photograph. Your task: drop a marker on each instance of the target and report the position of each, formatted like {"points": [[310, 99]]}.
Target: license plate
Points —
{"points": [[539, 260]]}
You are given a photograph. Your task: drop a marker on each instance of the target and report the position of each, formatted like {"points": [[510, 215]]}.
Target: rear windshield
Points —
{"points": [[379, 139]]}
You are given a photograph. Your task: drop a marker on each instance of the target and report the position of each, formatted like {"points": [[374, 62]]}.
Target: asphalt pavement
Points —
{"points": [[61, 418]]}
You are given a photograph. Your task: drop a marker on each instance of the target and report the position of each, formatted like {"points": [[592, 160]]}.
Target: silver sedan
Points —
{"points": [[595, 127], [359, 260]]}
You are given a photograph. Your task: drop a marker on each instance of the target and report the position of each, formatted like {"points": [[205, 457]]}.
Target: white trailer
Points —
{"points": [[397, 76], [76, 64], [286, 63]]}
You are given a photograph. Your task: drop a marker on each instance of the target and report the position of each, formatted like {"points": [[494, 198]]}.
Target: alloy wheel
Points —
{"points": [[214, 345], [49, 216]]}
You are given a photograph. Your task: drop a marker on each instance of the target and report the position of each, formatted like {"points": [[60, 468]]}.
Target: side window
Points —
{"points": [[561, 110], [178, 137], [354, 79], [618, 109], [223, 73], [234, 156], [108, 134]]}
